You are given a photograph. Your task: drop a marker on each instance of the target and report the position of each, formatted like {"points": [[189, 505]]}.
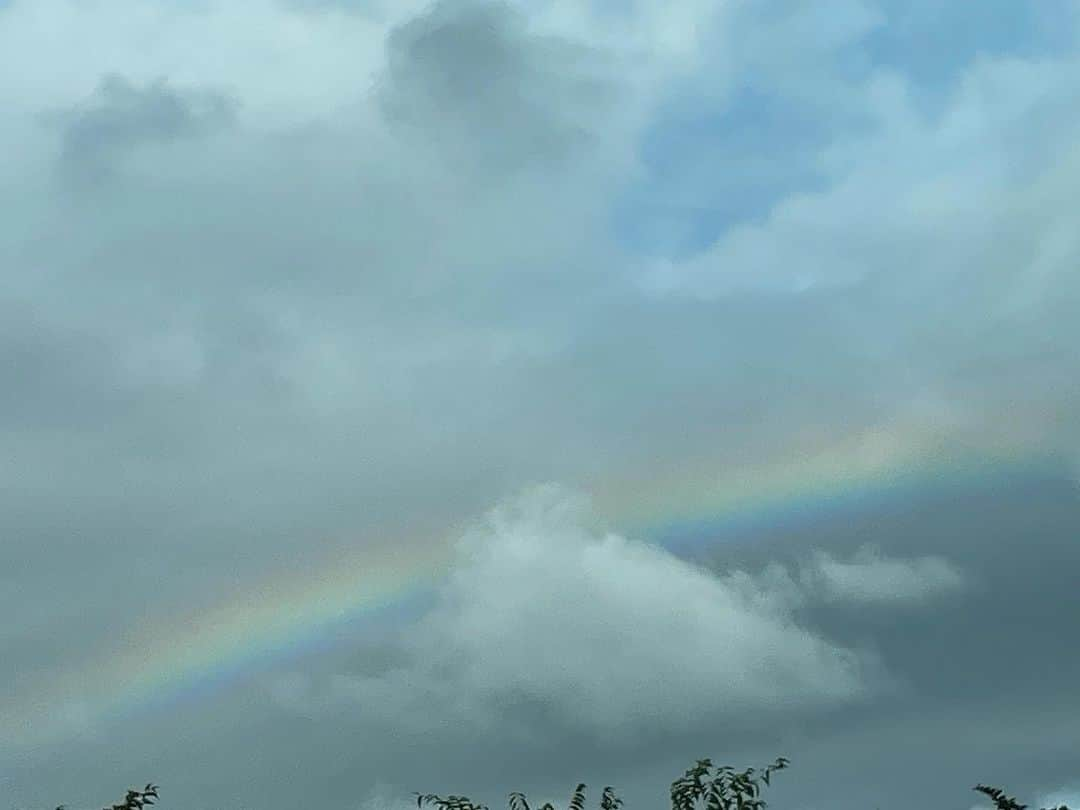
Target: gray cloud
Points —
{"points": [[473, 74], [395, 292], [869, 577], [122, 116], [599, 633], [402, 733]]}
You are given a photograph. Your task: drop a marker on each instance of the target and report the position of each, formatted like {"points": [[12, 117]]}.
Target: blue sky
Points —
{"points": [[711, 165]]}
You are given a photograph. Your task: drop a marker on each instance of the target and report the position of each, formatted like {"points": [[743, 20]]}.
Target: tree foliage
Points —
{"points": [[701, 787]]}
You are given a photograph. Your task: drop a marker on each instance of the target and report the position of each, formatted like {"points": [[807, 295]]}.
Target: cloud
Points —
{"points": [[1068, 796], [360, 270], [601, 633], [473, 73], [933, 231], [384, 797], [907, 192], [869, 577], [122, 116], [1051, 800], [242, 282]]}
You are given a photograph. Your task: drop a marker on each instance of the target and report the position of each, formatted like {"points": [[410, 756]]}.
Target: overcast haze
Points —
{"points": [[683, 379]]}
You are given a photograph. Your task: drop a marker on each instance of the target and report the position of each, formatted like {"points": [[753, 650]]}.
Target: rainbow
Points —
{"points": [[293, 616]]}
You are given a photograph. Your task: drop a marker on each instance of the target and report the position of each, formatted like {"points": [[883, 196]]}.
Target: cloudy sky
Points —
{"points": [[471, 397]]}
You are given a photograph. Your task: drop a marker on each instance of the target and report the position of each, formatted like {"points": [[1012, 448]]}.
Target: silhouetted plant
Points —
{"points": [[451, 802], [1003, 802], [134, 800], [137, 799], [723, 789], [726, 790], [608, 800]]}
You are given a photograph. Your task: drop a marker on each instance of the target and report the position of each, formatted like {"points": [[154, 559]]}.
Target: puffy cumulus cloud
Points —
{"points": [[598, 633]]}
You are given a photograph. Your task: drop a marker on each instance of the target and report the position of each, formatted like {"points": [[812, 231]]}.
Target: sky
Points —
{"points": [[483, 396]]}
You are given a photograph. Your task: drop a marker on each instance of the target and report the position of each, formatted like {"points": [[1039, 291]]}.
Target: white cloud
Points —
{"points": [[1051, 800], [907, 192], [1067, 795], [605, 633], [871, 577], [386, 797]]}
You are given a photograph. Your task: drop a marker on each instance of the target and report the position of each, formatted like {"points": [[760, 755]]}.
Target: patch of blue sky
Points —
{"points": [[932, 43], [712, 161], [709, 168]]}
